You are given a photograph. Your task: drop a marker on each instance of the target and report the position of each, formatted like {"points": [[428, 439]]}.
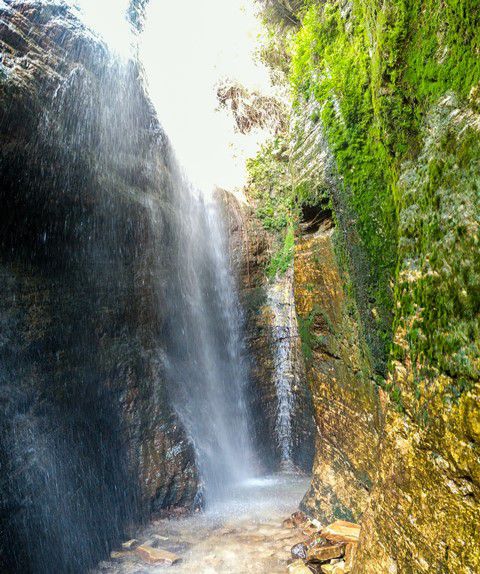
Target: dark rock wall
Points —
{"points": [[88, 441]]}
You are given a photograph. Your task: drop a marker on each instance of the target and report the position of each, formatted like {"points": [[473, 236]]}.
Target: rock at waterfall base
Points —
{"points": [[338, 568], [314, 540], [301, 521], [117, 555], [341, 531], [299, 518], [310, 530], [157, 555], [330, 550], [299, 551], [350, 550], [288, 523], [130, 544], [325, 551]]}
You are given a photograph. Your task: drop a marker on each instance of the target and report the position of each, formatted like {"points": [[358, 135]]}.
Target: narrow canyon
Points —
{"points": [[240, 266]]}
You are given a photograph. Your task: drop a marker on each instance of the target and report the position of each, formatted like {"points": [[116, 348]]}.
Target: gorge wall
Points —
{"points": [[266, 335], [365, 217], [88, 441], [384, 133]]}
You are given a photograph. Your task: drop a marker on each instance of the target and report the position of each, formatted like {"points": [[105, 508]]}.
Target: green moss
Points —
{"points": [[333, 66], [269, 185], [375, 69], [438, 295], [283, 258], [376, 74]]}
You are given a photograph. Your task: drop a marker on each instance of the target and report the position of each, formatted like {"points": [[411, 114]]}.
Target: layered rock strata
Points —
{"points": [[280, 399]]}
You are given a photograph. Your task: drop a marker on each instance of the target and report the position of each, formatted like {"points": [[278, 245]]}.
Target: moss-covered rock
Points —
{"points": [[393, 87]]}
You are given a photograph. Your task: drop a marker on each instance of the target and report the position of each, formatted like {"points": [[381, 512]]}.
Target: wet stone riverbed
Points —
{"points": [[239, 536]]}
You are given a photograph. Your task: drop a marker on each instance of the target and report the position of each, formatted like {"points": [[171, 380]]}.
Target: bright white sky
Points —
{"points": [[186, 48], [107, 17]]}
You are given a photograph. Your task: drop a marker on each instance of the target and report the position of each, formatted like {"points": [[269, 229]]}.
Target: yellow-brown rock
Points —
{"points": [[157, 555], [425, 509], [251, 248], [346, 404], [288, 523], [350, 552], [298, 567], [326, 551], [299, 518], [117, 555], [412, 483], [338, 568], [341, 531]]}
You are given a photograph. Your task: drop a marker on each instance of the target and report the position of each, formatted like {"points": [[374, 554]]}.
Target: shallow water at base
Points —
{"points": [[241, 535]]}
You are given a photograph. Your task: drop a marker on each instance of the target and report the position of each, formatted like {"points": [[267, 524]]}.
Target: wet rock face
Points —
{"points": [[248, 246], [346, 405], [294, 423], [428, 476], [402, 458], [406, 203], [273, 346], [88, 440]]}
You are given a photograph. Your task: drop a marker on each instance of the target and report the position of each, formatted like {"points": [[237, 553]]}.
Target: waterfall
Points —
{"points": [[286, 372], [122, 330], [204, 354]]}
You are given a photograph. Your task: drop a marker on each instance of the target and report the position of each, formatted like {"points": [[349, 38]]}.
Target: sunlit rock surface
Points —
{"points": [[401, 457], [347, 409], [425, 507], [88, 441], [412, 486]]}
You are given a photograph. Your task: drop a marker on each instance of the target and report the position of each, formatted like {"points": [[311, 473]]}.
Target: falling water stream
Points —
{"points": [[286, 372], [204, 355]]}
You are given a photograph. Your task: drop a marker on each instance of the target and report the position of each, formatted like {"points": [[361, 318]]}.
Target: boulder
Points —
{"points": [[338, 568], [299, 551], [117, 555], [299, 518], [288, 523], [325, 551], [309, 529], [314, 540], [341, 531], [350, 550]]}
